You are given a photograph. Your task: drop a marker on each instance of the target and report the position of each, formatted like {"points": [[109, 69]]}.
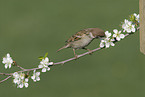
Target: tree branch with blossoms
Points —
{"points": [[21, 78]]}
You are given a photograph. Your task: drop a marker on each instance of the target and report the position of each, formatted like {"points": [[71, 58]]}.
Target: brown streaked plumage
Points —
{"points": [[83, 38]]}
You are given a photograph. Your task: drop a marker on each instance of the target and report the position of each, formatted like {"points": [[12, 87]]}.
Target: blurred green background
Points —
{"points": [[30, 28]]}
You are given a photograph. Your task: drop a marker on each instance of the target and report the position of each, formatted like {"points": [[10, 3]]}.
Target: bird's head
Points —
{"points": [[96, 32]]}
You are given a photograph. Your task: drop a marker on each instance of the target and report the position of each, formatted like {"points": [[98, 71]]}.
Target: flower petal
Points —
{"points": [[122, 36], [112, 44], [44, 70], [26, 80], [33, 77], [40, 66], [50, 63], [48, 68], [46, 59], [114, 35], [15, 81], [37, 73], [9, 65], [38, 78], [6, 66], [115, 31], [133, 29], [101, 45], [8, 55], [107, 45], [21, 85], [26, 85], [118, 38]]}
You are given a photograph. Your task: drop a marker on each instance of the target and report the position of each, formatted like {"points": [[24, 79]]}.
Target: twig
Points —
{"points": [[20, 67], [15, 64], [65, 61], [61, 62], [5, 79], [6, 73]]}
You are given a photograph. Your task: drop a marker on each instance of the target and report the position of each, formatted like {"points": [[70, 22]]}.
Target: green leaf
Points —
{"points": [[132, 18], [46, 54], [41, 57]]}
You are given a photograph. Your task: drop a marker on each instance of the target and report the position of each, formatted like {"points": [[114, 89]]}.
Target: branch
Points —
{"points": [[14, 63], [68, 60], [6, 73], [5, 79], [21, 78], [20, 67], [62, 62], [81, 55]]}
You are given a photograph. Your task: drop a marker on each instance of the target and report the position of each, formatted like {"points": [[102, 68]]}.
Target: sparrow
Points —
{"points": [[82, 39]]}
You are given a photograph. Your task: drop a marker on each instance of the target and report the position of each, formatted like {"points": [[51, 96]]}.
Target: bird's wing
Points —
{"points": [[77, 36]]}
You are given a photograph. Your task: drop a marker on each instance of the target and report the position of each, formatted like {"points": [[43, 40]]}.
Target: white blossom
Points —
{"points": [[107, 42], [7, 61], [44, 64], [128, 26], [23, 84], [107, 34], [35, 76], [117, 34], [20, 80], [16, 78], [136, 17]]}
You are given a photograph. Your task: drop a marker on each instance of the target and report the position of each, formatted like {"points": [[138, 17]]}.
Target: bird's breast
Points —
{"points": [[83, 42]]}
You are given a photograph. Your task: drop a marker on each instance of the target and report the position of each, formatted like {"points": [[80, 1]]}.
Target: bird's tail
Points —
{"points": [[62, 48]]}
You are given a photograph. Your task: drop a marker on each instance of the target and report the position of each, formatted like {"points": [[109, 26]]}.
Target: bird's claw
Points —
{"points": [[90, 52], [76, 57]]}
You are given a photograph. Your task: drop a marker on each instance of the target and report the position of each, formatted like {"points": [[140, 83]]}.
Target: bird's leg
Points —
{"points": [[76, 56], [90, 51]]}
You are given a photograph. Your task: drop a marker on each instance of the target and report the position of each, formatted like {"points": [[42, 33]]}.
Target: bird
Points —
{"points": [[82, 39]]}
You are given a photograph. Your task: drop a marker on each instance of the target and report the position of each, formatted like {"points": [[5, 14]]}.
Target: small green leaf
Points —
{"points": [[41, 57], [46, 54], [132, 18]]}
